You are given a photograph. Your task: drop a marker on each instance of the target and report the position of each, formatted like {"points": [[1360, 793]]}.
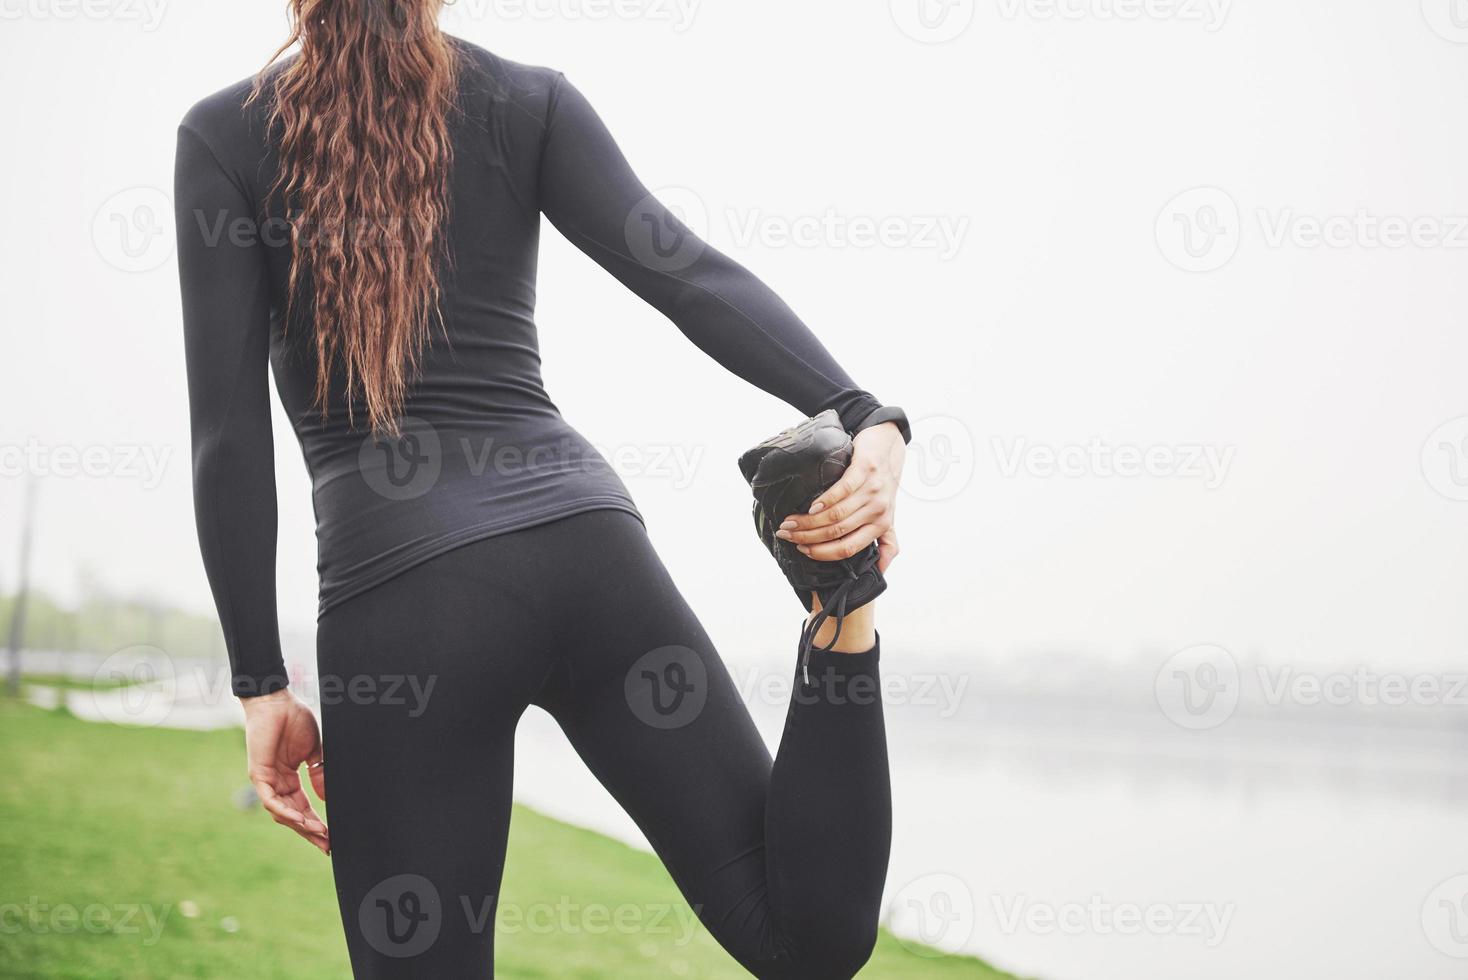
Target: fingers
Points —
{"points": [[844, 547], [859, 510], [840, 512], [851, 481], [887, 549], [314, 828], [288, 806], [316, 768], [851, 513]]}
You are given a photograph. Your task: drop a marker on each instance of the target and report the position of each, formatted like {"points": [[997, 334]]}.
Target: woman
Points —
{"points": [[364, 218]]}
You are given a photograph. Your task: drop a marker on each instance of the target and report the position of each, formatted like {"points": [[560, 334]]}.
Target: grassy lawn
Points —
{"points": [[121, 855], [74, 683]]}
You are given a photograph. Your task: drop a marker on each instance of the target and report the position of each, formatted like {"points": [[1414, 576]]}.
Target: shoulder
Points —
{"points": [[221, 113], [512, 76], [229, 123], [530, 88]]}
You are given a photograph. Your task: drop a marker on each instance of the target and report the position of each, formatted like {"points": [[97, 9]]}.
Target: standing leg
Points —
{"points": [[423, 681], [784, 863]]}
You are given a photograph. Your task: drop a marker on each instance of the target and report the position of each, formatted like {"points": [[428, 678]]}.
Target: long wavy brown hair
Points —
{"points": [[362, 118]]}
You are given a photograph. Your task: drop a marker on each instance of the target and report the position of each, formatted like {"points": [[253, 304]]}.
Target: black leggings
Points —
{"points": [[783, 862]]}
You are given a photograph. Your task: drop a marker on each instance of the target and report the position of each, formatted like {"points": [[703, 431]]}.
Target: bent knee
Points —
{"points": [[835, 948]]}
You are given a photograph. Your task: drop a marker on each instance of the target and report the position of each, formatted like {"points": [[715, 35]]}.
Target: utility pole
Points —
{"points": [[22, 588]]}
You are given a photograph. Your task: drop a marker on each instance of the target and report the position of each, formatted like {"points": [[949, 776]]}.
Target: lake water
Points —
{"points": [[1075, 832], [1064, 842]]}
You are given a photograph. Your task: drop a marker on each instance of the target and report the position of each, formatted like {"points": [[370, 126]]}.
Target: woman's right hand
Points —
{"points": [[280, 737], [859, 508]]}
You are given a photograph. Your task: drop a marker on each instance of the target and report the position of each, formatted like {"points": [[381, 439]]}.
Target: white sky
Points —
{"points": [[1049, 146]]}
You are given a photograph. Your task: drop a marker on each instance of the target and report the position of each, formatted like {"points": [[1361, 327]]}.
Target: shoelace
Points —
{"points": [[838, 599]]}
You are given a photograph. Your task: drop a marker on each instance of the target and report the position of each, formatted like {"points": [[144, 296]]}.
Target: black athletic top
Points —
{"points": [[484, 449]]}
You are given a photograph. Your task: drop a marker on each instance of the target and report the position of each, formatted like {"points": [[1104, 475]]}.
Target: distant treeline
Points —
{"points": [[105, 624]]}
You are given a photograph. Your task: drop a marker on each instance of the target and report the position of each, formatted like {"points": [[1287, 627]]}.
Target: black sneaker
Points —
{"points": [[787, 473]]}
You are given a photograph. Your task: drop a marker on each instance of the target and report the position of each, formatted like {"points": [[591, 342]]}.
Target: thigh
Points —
{"points": [[652, 710], [423, 680]]}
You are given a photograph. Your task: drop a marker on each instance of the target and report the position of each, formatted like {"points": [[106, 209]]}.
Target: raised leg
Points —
{"points": [[783, 862]]}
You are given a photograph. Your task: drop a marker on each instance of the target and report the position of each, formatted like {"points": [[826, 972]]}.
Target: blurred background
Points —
{"points": [[1173, 291]]}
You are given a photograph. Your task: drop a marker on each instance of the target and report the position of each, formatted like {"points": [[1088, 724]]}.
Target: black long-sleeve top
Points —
{"points": [[483, 449]]}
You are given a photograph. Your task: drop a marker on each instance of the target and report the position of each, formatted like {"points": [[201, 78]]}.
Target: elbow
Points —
{"points": [[233, 465], [212, 451]]}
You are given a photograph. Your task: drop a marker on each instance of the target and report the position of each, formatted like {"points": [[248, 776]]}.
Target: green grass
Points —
{"points": [[110, 822], [74, 683]]}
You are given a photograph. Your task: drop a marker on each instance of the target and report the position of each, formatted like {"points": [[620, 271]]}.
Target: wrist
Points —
{"points": [[886, 415], [259, 683], [277, 697]]}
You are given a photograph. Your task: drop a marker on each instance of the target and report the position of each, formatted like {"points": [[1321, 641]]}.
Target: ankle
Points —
{"points": [[858, 631]]}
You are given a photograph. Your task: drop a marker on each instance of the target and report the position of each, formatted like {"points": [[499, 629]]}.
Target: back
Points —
{"points": [[481, 438], [483, 449]]}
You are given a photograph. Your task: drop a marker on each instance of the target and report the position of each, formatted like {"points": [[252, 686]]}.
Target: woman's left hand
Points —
{"points": [[860, 507]]}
